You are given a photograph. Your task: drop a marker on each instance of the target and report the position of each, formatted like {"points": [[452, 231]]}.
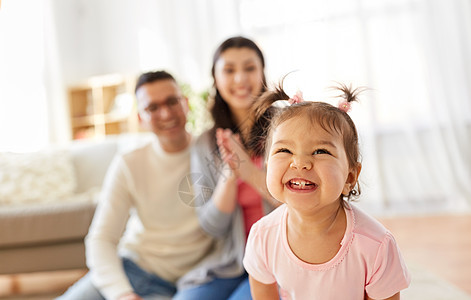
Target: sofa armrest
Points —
{"points": [[91, 160]]}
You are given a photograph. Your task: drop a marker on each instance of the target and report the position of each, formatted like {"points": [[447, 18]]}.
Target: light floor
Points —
{"points": [[439, 244]]}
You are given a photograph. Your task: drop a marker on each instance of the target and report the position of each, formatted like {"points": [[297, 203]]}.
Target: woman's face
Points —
{"points": [[238, 74]]}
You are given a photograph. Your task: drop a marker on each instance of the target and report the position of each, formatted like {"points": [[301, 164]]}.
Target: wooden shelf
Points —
{"points": [[102, 105]]}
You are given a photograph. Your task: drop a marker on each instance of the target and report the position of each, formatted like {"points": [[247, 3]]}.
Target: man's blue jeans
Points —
{"points": [[218, 289], [152, 287]]}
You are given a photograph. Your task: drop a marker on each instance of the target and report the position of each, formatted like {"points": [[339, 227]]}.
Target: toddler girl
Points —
{"points": [[318, 245]]}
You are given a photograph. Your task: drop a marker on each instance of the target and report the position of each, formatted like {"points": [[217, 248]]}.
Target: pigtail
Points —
{"points": [[263, 112], [348, 95], [266, 100]]}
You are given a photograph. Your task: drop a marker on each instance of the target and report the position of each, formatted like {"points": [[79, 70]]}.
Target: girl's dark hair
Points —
{"points": [[220, 111], [330, 118]]}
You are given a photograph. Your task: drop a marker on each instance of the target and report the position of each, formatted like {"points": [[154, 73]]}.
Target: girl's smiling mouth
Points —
{"points": [[298, 184]]}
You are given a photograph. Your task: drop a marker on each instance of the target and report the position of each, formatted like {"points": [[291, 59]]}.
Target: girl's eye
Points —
{"points": [[228, 71], [250, 69], [321, 151], [282, 150]]}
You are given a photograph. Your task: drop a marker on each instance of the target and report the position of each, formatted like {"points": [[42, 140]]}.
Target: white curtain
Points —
{"points": [[32, 107], [415, 122], [52, 76], [22, 101], [181, 35]]}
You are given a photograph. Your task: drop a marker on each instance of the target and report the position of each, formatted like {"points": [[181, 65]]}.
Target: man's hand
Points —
{"points": [[130, 296]]}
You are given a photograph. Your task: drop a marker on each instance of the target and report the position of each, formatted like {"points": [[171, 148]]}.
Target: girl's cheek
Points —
{"points": [[272, 188], [273, 180]]}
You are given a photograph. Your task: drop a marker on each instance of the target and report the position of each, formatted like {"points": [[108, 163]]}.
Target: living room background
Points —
{"points": [[414, 55]]}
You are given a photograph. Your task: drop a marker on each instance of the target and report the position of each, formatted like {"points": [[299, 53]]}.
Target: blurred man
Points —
{"points": [[163, 240]]}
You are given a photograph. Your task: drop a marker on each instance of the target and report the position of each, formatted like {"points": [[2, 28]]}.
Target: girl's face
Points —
{"points": [[307, 167], [238, 74]]}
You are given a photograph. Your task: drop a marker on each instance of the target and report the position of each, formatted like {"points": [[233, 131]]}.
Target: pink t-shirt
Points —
{"points": [[368, 261]]}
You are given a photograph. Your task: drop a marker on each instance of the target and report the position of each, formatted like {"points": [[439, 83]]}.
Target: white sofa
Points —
{"points": [[46, 233]]}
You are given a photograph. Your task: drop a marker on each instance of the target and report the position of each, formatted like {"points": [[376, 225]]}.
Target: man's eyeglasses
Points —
{"points": [[171, 103]]}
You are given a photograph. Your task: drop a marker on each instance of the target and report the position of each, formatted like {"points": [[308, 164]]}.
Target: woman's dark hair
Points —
{"points": [[150, 77], [220, 111]]}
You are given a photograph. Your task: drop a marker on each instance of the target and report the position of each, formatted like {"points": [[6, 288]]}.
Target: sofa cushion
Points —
{"points": [[36, 177], [91, 158], [47, 222]]}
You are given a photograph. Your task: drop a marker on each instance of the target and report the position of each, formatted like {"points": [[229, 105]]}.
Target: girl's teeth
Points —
{"points": [[301, 183]]}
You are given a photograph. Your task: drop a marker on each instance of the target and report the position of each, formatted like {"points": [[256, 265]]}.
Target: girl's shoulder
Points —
{"points": [[272, 220], [367, 226]]}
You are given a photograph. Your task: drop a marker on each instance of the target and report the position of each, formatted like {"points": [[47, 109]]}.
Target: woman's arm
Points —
{"points": [[215, 186], [225, 193], [261, 291], [237, 158]]}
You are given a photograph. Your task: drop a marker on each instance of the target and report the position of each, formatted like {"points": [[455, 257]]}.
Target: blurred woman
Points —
{"points": [[231, 202]]}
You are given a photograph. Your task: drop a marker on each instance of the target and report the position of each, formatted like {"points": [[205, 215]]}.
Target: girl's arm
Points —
{"points": [[395, 297], [261, 291]]}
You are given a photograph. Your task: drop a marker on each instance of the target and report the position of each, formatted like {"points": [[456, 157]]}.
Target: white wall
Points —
{"points": [[106, 36], [96, 37]]}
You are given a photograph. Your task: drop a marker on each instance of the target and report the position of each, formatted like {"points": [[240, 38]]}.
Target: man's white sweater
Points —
{"points": [[163, 235]]}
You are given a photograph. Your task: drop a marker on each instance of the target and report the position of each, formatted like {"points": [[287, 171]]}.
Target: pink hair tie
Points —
{"points": [[345, 106], [297, 98]]}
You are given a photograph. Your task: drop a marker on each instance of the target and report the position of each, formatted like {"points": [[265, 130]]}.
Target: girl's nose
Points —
{"points": [[301, 163]]}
